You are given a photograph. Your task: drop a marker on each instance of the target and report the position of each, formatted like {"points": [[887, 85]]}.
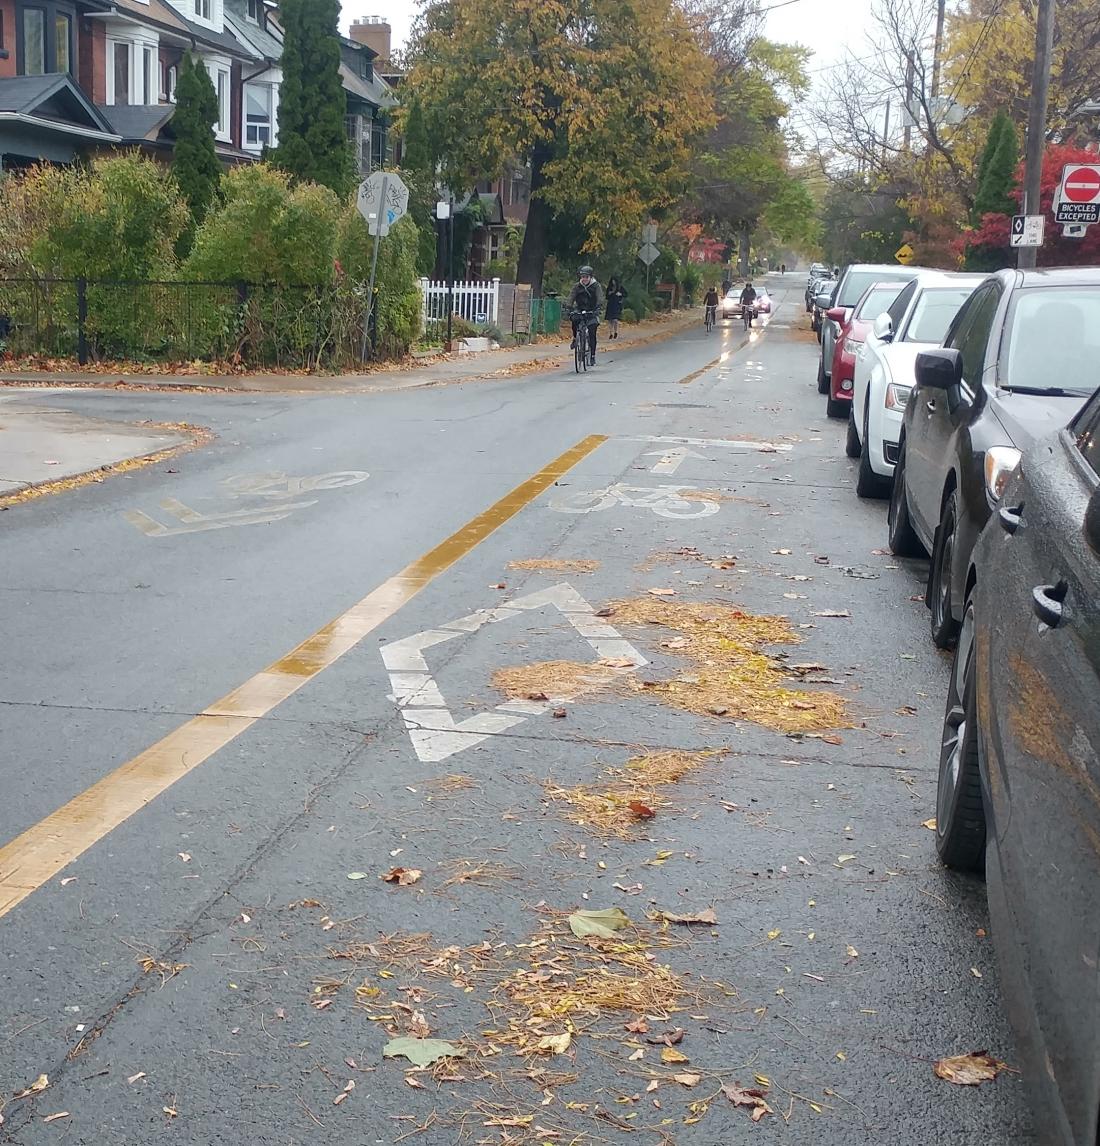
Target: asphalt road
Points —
{"points": [[205, 971]]}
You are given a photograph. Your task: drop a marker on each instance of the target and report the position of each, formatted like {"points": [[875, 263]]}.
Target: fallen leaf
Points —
{"points": [[774, 933], [535, 696], [852, 952], [134, 1077], [415, 1083], [559, 714], [821, 560], [633, 889], [782, 552], [659, 859], [705, 916], [185, 856], [55, 1117], [422, 1052], [638, 1055], [36, 1087], [980, 933], [833, 613], [906, 710], [403, 875], [320, 1004], [618, 662], [605, 612], [653, 1084], [637, 1026], [844, 859], [753, 1098], [603, 924], [968, 1069], [498, 585], [687, 1079], [68, 879], [357, 875], [521, 1120], [555, 1044], [663, 592], [975, 972], [171, 1111], [675, 643], [929, 824], [640, 810], [667, 1038], [671, 1054]]}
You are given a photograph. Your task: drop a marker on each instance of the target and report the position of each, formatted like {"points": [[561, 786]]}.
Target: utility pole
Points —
{"points": [[907, 112], [886, 132], [1037, 121], [937, 51]]}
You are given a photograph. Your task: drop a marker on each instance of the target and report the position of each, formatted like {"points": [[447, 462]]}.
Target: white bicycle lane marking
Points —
{"points": [[432, 728]]}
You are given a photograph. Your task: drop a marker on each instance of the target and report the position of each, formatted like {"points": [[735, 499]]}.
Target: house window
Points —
{"points": [[171, 76], [34, 41], [258, 127], [118, 73], [366, 68], [256, 11], [148, 76], [63, 42]]}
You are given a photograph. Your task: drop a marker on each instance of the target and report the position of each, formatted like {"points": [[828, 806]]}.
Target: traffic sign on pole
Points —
{"points": [[1027, 230], [382, 200], [649, 254], [905, 254], [1077, 199]]}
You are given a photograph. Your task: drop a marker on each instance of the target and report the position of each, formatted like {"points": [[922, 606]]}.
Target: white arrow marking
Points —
{"points": [[192, 522], [725, 443], [432, 728], [673, 459]]}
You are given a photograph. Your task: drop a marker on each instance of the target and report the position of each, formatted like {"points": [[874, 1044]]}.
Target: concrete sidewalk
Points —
{"points": [[437, 371]]}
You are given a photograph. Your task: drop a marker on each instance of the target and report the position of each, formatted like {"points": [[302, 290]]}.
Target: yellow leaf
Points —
{"points": [[671, 1054], [774, 933], [555, 1044], [930, 824]]}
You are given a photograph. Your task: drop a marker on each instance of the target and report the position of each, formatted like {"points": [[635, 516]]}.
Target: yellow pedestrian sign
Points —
{"points": [[904, 254]]}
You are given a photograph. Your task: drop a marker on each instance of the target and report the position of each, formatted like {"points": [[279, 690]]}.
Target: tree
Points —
{"points": [[416, 154], [313, 145], [997, 171], [195, 161], [418, 169], [603, 98]]}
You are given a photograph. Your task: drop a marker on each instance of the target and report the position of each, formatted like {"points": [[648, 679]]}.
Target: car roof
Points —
{"points": [[944, 279], [1056, 276]]}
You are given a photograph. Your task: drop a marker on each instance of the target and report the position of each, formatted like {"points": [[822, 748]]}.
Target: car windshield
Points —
{"points": [[878, 300], [1053, 340], [933, 314], [856, 282]]}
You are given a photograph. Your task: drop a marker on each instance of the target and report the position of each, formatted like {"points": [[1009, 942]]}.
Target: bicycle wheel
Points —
{"points": [[580, 355]]}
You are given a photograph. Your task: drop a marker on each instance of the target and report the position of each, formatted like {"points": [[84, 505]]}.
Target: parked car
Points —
{"points": [[845, 293], [818, 273], [1019, 769], [854, 328], [916, 320], [1018, 361]]}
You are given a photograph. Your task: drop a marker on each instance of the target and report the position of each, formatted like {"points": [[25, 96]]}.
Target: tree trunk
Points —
{"points": [[532, 256], [743, 252]]}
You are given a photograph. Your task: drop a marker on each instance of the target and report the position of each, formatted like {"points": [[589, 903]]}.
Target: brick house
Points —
{"points": [[81, 76]]}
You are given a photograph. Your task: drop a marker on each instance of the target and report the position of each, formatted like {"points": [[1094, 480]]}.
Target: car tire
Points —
{"points": [[822, 378], [904, 541], [944, 626], [851, 442], [868, 483], [837, 407], [960, 809]]}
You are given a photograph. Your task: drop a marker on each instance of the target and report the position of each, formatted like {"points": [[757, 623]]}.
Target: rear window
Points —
{"points": [[933, 314], [1053, 339], [856, 282], [878, 300]]}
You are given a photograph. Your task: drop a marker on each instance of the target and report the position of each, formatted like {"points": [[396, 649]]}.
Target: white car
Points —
{"points": [[916, 320]]}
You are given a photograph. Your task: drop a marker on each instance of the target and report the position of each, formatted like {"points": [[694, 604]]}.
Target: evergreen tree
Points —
{"points": [[313, 143], [195, 162], [997, 170], [416, 154]]}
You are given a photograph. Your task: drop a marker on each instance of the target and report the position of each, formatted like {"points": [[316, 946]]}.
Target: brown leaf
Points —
{"points": [[617, 662], [968, 1069], [535, 696], [637, 1026], [415, 1083], [667, 1038], [707, 916], [36, 1087], [671, 1055], [687, 1079], [403, 876], [55, 1117], [321, 1004], [907, 710], [641, 811], [830, 739], [605, 612], [498, 585], [752, 1097], [559, 714], [663, 592]]}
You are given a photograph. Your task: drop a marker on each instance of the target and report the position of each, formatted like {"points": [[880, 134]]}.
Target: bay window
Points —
{"points": [[34, 41], [259, 127], [218, 68], [119, 72], [63, 42], [45, 37]]}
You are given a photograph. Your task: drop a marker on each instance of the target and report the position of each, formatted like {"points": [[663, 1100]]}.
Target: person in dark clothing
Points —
{"points": [[616, 294], [710, 302], [587, 297], [726, 284]]}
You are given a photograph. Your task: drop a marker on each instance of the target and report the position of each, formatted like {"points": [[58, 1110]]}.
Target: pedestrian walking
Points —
{"points": [[616, 295]]}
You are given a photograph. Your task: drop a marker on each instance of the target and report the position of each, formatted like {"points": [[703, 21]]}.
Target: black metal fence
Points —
{"points": [[253, 325]]}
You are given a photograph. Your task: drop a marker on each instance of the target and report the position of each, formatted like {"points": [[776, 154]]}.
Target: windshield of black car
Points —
{"points": [[856, 282], [933, 314], [1052, 339], [878, 300]]}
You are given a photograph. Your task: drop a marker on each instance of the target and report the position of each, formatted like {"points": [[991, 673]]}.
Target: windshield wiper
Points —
{"points": [[1047, 391]]}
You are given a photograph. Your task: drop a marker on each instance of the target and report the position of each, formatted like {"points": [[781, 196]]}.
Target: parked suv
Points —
{"points": [[1018, 362], [848, 290]]}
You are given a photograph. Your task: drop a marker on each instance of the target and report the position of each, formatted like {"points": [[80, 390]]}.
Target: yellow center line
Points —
{"points": [[36, 856]]}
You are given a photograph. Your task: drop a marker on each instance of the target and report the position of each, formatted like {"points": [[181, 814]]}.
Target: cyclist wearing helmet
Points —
{"points": [[586, 296]]}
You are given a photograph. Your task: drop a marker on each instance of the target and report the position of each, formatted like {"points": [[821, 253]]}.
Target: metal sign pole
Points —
{"points": [[374, 268], [450, 269]]}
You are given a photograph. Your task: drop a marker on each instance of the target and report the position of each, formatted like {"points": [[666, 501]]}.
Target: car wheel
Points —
{"points": [[903, 538], [822, 379], [960, 812], [851, 442], [837, 407], [944, 626], [869, 483]]}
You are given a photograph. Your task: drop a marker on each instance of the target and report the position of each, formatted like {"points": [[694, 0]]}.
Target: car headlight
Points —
{"points": [[1000, 464], [897, 396]]}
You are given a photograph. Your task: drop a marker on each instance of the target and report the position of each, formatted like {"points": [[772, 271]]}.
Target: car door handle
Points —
{"points": [[1047, 603], [930, 405], [1009, 517]]}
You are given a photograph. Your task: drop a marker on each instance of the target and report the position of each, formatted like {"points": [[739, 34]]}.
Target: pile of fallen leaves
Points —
{"points": [[553, 680], [730, 675]]}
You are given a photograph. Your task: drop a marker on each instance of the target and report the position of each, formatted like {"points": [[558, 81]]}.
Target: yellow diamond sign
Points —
{"points": [[904, 254]]}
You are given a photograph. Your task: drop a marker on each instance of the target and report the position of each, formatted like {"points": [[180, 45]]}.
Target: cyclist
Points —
{"points": [[587, 296], [748, 297], [710, 301]]}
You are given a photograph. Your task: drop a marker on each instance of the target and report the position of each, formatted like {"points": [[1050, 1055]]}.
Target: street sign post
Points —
{"points": [[1077, 199], [382, 200], [905, 254], [1027, 230], [649, 233], [649, 254]]}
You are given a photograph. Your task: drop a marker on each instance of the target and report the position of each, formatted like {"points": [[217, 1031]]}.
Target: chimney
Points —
{"points": [[375, 32]]}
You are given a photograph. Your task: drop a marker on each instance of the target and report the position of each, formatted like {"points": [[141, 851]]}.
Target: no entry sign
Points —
{"points": [[1078, 197]]}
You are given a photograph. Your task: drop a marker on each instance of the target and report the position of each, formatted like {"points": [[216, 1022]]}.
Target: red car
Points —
{"points": [[876, 298]]}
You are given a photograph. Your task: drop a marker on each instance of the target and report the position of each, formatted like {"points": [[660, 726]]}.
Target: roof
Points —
{"points": [[51, 99], [139, 124], [264, 43], [160, 14], [157, 10], [375, 92], [1057, 276]]}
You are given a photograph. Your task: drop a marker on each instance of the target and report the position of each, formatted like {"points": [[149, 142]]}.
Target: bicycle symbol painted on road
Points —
{"points": [[278, 485], [664, 500]]}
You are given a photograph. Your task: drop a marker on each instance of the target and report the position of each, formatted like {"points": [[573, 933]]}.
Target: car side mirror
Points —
{"points": [[823, 299], [1092, 522], [883, 328], [835, 313], [939, 369]]}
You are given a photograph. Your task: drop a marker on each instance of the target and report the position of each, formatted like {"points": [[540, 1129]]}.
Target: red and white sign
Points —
{"points": [[1078, 197]]}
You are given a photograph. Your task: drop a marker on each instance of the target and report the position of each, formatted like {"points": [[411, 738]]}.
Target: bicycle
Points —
{"points": [[747, 313], [584, 338], [710, 318]]}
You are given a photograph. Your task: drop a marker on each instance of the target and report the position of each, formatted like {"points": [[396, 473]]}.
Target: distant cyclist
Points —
{"points": [[748, 298], [584, 303], [710, 302]]}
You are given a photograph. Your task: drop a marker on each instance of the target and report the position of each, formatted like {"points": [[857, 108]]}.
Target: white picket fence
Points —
{"points": [[477, 302]]}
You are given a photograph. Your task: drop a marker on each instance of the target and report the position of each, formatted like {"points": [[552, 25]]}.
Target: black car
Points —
{"points": [[1019, 359], [1019, 774]]}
